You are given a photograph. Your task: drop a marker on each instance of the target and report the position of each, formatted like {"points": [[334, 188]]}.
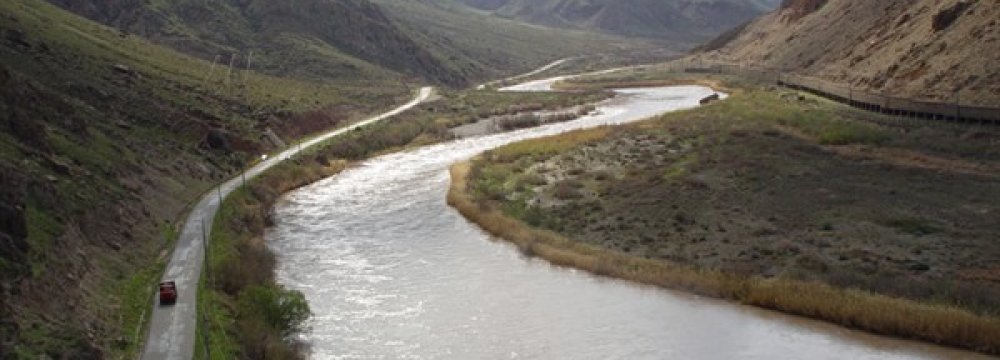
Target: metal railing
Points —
{"points": [[954, 111]]}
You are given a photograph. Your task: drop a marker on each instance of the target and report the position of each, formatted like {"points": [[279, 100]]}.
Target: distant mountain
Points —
{"points": [[943, 50], [687, 21]]}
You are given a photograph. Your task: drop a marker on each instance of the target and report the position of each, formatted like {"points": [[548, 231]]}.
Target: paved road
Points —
{"points": [[530, 73], [172, 328]]}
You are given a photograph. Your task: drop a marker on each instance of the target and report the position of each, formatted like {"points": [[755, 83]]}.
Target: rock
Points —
{"points": [[920, 267], [59, 166], [709, 99], [944, 18], [17, 38], [217, 139], [124, 70]]}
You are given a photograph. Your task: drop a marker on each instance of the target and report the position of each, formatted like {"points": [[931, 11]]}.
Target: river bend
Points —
{"points": [[392, 272]]}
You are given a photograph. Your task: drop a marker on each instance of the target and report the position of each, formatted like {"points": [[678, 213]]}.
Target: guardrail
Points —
{"points": [[897, 106]]}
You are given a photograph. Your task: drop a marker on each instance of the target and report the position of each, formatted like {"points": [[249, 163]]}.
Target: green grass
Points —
{"points": [[135, 292], [43, 229], [216, 315]]}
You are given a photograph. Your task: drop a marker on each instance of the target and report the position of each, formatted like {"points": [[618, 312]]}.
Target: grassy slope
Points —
{"points": [[101, 160], [735, 201], [306, 40], [486, 47]]}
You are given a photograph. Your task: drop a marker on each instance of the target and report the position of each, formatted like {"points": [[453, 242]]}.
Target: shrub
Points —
{"points": [[519, 121], [567, 190], [283, 310]]}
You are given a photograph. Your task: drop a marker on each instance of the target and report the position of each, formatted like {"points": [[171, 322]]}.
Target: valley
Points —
{"points": [[817, 175]]}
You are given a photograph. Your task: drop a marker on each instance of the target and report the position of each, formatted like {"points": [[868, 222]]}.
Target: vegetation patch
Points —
{"points": [[770, 198]]}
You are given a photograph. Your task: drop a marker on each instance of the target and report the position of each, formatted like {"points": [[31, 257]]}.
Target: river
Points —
{"points": [[392, 272]]}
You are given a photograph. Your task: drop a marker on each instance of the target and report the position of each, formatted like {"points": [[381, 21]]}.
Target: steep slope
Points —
{"points": [[686, 21], [930, 49], [104, 139], [336, 40]]}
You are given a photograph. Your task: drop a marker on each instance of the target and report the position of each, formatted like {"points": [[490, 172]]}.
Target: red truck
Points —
{"points": [[168, 293]]}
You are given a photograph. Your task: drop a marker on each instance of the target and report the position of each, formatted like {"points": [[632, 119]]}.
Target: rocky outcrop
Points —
{"points": [[793, 10]]}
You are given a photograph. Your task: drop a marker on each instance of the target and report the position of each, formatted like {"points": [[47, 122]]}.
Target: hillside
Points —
{"points": [[104, 139], [681, 21], [486, 47], [939, 50], [347, 41], [334, 40]]}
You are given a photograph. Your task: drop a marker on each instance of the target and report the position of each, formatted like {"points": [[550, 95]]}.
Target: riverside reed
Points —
{"points": [[852, 308]]}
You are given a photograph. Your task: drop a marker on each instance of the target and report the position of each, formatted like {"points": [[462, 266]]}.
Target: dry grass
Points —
{"points": [[551, 145], [852, 308]]}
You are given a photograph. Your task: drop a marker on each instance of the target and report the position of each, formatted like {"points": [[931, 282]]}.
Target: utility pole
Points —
{"points": [[211, 69], [246, 74], [229, 73], [208, 274]]}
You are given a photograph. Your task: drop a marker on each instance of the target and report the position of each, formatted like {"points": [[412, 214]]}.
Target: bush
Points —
{"points": [[269, 316], [282, 310], [519, 121], [254, 264], [567, 190]]}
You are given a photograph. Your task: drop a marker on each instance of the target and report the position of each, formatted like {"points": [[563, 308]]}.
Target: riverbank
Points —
{"points": [[741, 200], [239, 262]]}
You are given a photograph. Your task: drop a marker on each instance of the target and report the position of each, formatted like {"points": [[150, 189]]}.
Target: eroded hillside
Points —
{"points": [[939, 50]]}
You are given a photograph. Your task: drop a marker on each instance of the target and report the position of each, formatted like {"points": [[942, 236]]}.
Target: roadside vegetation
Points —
{"points": [[770, 198]]}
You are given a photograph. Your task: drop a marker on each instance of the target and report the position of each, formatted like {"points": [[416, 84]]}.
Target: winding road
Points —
{"points": [[537, 71], [172, 328]]}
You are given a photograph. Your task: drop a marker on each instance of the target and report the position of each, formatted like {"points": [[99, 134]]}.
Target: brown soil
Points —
{"points": [[938, 50]]}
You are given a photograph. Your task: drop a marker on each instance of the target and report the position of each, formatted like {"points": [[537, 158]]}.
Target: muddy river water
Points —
{"points": [[392, 272]]}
